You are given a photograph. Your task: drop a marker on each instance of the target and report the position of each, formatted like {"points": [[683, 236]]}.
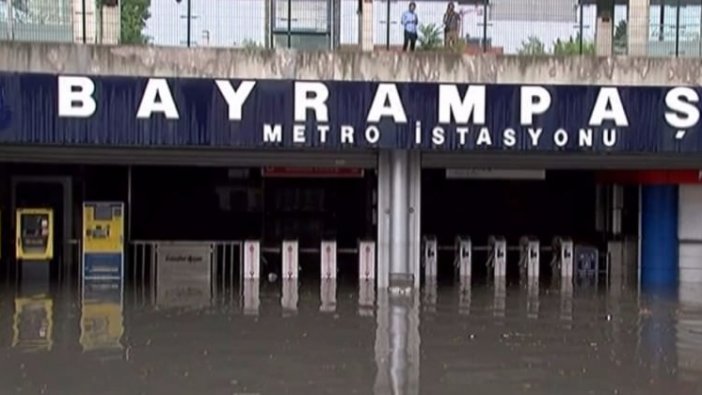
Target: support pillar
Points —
{"points": [[111, 25], [659, 236], [399, 202], [638, 27], [604, 28], [365, 28]]}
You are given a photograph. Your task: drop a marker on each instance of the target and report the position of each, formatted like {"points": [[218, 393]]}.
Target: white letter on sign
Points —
{"points": [[608, 107], [75, 97], [157, 88], [472, 104], [235, 98], [535, 100], [387, 93], [683, 114], [316, 103]]}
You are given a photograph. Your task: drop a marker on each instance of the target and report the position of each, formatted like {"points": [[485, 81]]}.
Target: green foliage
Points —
{"points": [[620, 38], [251, 44], [573, 47], [429, 37], [134, 14], [532, 47]]}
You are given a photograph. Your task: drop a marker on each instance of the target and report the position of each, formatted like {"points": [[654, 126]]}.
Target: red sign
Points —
{"points": [[312, 172], [648, 177]]}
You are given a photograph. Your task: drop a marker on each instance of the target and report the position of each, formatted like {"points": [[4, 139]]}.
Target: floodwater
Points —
{"points": [[319, 338]]}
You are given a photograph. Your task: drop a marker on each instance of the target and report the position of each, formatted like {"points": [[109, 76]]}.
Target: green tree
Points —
{"points": [[620, 38], [572, 47], [134, 14], [532, 46], [429, 37]]}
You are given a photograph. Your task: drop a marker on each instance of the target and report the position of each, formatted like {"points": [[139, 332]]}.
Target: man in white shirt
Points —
{"points": [[410, 21]]}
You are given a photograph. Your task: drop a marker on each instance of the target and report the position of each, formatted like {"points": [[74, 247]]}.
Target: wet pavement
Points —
{"points": [[320, 338]]}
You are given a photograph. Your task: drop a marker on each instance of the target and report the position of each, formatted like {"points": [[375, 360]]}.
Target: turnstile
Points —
{"points": [[328, 259], [529, 257], [430, 257], [562, 263], [290, 258], [464, 257], [497, 255]]}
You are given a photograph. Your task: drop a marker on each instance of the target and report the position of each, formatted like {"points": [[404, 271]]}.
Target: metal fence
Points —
{"points": [[528, 27]]}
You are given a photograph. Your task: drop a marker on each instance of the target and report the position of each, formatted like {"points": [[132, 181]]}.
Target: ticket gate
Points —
{"points": [[430, 257], [328, 259], [562, 263], [290, 258], [464, 257], [497, 256], [529, 257], [252, 259], [103, 241], [366, 260]]}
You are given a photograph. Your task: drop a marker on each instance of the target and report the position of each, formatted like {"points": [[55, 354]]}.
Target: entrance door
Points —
{"points": [[53, 193]]}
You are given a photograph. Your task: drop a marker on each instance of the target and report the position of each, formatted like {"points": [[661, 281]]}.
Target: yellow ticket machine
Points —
{"points": [[103, 240], [34, 234]]}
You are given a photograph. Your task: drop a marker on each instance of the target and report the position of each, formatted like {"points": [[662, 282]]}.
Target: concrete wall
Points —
{"points": [[232, 63]]}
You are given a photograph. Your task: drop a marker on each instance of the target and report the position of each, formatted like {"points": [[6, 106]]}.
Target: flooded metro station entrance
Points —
{"points": [[224, 207]]}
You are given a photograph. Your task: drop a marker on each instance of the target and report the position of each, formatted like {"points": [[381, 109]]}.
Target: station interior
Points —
{"points": [[274, 204]]}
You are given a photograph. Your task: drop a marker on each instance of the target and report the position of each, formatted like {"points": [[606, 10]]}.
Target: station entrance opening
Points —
{"points": [[289, 218], [302, 207], [522, 223]]}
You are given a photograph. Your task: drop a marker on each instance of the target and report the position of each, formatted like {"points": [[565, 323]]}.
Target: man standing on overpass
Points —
{"points": [[410, 21]]}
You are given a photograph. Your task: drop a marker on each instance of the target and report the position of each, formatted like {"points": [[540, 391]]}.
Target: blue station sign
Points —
{"points": [[286, 114]]}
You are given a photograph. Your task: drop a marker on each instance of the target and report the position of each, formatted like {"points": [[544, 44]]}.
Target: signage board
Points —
{"points": [[183, 274]]}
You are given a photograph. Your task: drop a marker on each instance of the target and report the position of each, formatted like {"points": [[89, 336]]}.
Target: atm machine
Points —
{"points": [[34, 249]]}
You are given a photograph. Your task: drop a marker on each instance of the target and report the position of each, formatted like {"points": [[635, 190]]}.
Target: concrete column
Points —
{"points": [[415, 215], [84, 19], [399, 203], [603, 28], [365, 30], [659, 236], [638, 27], [111, 25], [399, 220]]}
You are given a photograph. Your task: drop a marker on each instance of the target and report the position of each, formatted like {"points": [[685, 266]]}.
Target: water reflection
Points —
{"points": [[491, 338], [397, 344], [252, 298], [101, 324], [33, 323]]}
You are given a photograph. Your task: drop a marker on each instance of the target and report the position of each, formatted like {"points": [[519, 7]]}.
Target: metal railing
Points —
{"points": [[560, 27]]}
